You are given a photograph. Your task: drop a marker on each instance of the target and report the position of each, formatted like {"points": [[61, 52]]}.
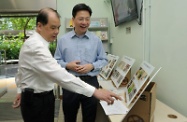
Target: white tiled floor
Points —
{"points": [[9, 83], [61, 117], [11, 89], [10, 95]]}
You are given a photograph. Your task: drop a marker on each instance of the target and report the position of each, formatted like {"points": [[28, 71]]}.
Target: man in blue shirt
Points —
{"points": [[82, 54]]}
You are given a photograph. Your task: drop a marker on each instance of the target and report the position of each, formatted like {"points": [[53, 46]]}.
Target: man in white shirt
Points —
{"points": [[38, 71]]}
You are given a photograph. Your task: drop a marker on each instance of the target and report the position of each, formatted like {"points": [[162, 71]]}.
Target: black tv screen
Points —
{"points": [[124, 11]]}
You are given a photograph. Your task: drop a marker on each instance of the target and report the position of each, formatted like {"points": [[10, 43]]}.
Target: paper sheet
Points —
{"points": [[116, 108]]}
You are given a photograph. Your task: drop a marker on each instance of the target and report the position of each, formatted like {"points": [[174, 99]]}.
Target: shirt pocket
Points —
{"points": [[87, 56]]}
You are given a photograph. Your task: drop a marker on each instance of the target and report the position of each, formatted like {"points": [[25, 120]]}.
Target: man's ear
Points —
{"points": [[39, 26], [72, 20]]}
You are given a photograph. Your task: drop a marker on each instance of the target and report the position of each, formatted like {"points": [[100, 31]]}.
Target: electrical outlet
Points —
{"points": [[111, 40], [107, 1], [128, 30]]}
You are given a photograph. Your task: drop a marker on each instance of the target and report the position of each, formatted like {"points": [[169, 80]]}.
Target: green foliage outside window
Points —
{"points": [[10, 45], [17, 23], [52, 47]]}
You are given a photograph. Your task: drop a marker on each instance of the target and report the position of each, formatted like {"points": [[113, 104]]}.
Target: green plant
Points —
{"points": [[52, 47], [10, 46]]}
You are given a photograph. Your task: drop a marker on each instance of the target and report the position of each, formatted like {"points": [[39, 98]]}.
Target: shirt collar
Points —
{"points": [[86, 35], [45, 42]]}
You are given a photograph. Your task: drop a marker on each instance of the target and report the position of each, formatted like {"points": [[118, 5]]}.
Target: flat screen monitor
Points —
{"points": [[124, 11]]}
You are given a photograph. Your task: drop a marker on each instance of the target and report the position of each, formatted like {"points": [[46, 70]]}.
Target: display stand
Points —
{"points": [[131, 92], [162, 113]]}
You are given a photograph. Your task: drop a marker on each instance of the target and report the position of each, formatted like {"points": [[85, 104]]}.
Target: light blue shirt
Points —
{"points": [[87, 48]]}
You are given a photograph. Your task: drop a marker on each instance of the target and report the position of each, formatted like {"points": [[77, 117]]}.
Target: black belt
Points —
{"points": [[43, 93], [29, 90], [86, 76]]}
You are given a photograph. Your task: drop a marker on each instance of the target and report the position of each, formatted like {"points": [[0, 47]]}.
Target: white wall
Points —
{"points": [[168, 49], [161, 40], [128, 44]]}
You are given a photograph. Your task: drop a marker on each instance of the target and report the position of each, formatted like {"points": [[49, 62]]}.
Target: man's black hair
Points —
{"points": [[43, 15], [80, 7]]}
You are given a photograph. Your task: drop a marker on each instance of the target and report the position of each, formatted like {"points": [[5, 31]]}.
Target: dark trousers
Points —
{"points": [[37, 107], [72, 101]]}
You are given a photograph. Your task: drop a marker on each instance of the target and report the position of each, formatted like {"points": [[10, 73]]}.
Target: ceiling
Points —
{"points": [[24, 7]]}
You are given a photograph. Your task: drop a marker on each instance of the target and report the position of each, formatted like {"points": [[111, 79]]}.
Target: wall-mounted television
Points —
{"points": [[124, 11]]}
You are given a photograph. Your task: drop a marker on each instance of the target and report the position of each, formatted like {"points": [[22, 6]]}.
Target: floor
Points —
{"points": [[9, 96], [8, 92]]}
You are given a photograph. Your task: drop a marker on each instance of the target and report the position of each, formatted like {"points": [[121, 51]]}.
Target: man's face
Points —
{"points": [[81, 22], [50, 31]]}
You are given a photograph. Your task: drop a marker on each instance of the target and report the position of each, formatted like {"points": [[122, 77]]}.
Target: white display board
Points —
{"points": [[121, 70], [137, 81], [106, 71]]}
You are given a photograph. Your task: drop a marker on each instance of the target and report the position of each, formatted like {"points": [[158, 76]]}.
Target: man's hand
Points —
{"points": [[77, 67], [106, 95], [83, 69], [73, 65], [17, 101]]}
